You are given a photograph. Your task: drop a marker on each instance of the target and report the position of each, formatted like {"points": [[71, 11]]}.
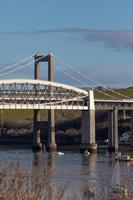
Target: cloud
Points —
{"points": [[44, 31], [116, 39]]}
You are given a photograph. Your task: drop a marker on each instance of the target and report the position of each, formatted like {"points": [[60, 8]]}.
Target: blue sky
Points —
{"points": [[94, 36]]}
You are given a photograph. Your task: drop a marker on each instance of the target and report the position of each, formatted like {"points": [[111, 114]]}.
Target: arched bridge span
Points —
{"points": [[39, 94]]}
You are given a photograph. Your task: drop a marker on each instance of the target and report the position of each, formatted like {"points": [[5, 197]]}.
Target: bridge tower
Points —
{"points": [[88, 126], [51, 146], [36, 144]]}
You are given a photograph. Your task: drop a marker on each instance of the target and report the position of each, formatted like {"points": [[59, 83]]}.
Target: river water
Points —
{"points": [[72, 169]]}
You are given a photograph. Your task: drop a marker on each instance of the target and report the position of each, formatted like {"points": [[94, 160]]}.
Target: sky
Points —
{"points": [[95, 37]]}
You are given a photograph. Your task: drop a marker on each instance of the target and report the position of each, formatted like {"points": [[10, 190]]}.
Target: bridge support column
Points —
{"points": [[51, 146], [36, 145], [88, 127], [113, 130], [132, 128]]}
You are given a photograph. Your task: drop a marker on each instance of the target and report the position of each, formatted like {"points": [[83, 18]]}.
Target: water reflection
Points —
{"points": [[89, 169], [44, 162], [38, 171], [38, 159], [43, 170], [80, 173]]}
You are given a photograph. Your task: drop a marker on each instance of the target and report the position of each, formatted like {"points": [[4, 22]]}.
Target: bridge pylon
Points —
{"points": [[88, 141], [51, 145], [36, 144]]}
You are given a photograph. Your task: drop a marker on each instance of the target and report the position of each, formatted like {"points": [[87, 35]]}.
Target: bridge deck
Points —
{"points": [[39, 94]]}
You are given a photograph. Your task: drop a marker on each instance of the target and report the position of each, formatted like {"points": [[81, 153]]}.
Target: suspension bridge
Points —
{"points": [[39, 94]]}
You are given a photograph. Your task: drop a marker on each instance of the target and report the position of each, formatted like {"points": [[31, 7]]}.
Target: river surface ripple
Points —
{"points": [[72, 168]]}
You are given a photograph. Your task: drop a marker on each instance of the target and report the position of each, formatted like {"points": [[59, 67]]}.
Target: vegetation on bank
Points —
{"points": [[68, 124], [100, 93], [17, 182]]}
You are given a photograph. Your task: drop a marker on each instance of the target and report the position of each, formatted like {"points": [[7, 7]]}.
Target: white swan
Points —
{"points": [[60, 153]]}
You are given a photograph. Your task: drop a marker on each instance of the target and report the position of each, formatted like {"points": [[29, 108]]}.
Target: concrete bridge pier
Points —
{"points": [[88, 127], [51, 146], [36, 144], [113, 130], [132, 128]]}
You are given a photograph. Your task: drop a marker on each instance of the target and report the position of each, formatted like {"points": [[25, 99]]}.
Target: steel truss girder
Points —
{"points": [[35, 93]]}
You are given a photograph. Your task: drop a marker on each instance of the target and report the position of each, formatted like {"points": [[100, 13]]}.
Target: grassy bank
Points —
{"points": [[124, 91]]}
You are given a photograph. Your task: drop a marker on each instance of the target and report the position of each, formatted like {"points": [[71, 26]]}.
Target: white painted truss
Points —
{"points": [[39, 94]]}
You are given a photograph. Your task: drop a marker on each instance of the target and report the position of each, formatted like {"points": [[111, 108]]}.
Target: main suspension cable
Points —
{"points": [[92, 80], [84, 84], [11, 66], [21, 67]]}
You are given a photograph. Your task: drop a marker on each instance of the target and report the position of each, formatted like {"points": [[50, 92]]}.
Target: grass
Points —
{"points": [[26, 116], [20, 115], [124, 91]]}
